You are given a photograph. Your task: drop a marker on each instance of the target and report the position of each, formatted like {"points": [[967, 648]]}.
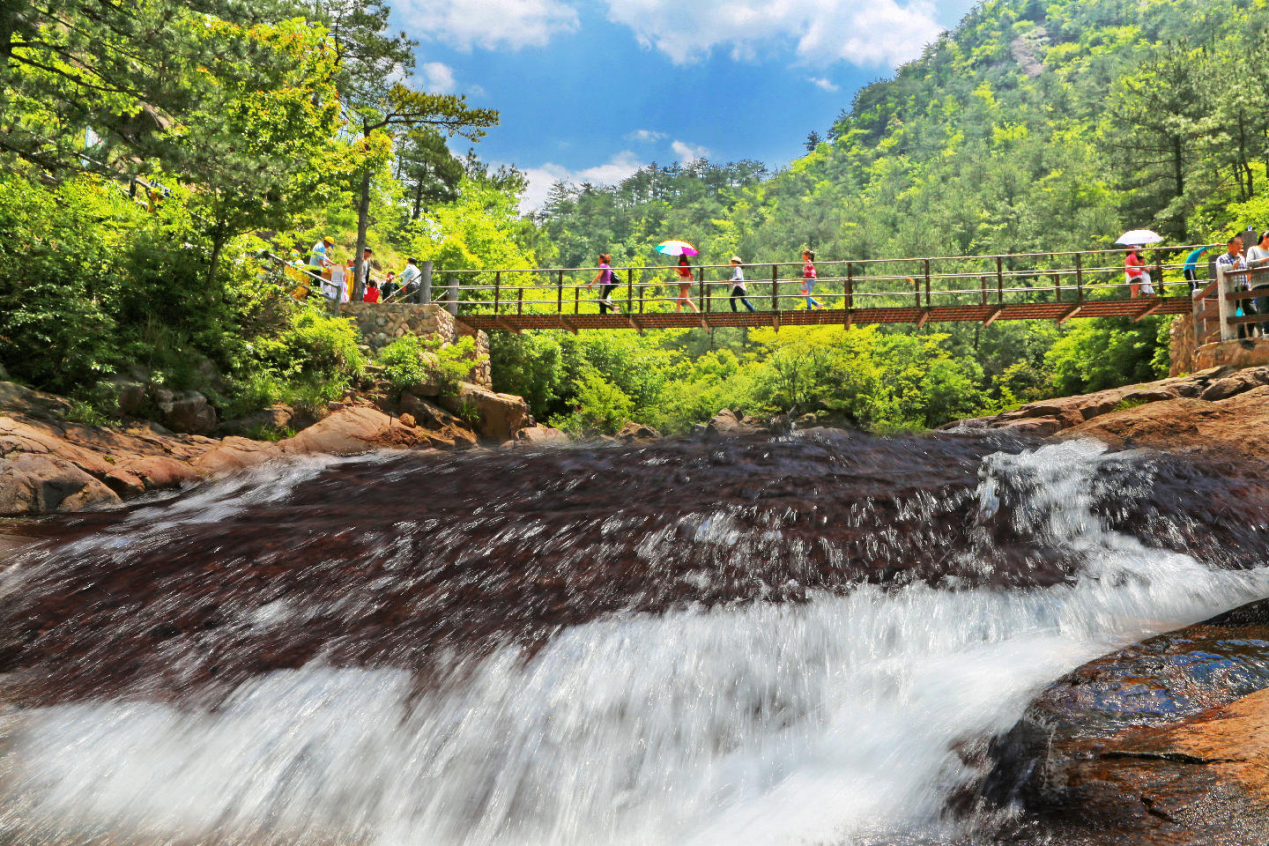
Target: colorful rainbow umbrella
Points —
{"points": [[677, 248]]}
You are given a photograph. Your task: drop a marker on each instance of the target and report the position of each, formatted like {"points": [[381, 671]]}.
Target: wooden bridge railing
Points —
{"points": [[874, 290]]}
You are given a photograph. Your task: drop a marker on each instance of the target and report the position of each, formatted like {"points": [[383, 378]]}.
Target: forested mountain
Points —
{"points": [[1033, 126]]}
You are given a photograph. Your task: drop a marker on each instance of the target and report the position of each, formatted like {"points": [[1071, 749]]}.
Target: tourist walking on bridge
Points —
{"points": [[808, 280], [604, 279], [684, 271], [738, 285]]}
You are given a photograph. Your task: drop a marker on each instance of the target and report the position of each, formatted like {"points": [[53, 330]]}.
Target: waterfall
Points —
{"points": [[833, 719]]}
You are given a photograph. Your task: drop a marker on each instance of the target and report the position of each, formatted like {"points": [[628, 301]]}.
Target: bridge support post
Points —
{"points": [[1228, 333], [425, 284]]}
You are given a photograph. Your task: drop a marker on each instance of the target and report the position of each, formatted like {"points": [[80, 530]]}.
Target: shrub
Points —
{"points": [[410, 360], [602, 408]]}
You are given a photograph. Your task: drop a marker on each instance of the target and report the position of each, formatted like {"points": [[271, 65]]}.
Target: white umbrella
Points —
{"points": [[1139, 237]]}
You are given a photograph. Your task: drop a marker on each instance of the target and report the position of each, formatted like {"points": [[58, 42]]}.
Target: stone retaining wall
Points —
{"points": [[1182, 346], [1232, 354], [382, 323]]}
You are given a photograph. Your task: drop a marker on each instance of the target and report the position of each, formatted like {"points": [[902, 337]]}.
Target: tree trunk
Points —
{"points": [[218, 244], [363, 223], [1178, 165], [418, 200]]}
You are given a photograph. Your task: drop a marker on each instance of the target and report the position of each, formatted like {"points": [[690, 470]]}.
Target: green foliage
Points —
{"points": [[1104, 353], [602, 408], [409, 360], [57, 282]]}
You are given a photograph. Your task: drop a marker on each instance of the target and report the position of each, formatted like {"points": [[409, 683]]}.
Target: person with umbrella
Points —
{"points": [[682, 249], [1139, 282]]}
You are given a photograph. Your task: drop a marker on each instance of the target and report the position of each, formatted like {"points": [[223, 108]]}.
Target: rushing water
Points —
{"points": [[762, 700]]}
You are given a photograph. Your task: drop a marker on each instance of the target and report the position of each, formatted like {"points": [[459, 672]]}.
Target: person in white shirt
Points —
{"points": [[410, 279], [1258, 257], [335, 288], [738, 285], [1229, 264]]}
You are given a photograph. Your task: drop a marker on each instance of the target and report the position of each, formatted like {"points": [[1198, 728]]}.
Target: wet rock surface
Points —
{"points": [[420, 560], [1164, 742]]}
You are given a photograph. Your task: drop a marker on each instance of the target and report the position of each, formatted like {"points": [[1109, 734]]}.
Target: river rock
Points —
{"points": [[275, 418], [727, 424], [1164, 742], [349, 431], [188, 412], [448, 431], [500, 415], [634, 432], [540, 435], [44, 484], [21, 400]]}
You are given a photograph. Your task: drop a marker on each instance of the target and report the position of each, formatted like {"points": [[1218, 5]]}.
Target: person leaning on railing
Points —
{"points": [[1258, 258], [1231, 263], [410, 278]]}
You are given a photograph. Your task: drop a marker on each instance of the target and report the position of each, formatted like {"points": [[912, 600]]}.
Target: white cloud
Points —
{"points": [[491, 24], [437, 77], [541, 179], [821, 82], [687, 153], [861, 32], [645, 136]]}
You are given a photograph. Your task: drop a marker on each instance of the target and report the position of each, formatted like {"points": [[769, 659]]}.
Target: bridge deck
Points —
{"points": [[986, 314]]}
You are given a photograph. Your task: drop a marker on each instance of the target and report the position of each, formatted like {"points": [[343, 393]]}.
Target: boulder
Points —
{"points": [[500, 416], [15, 398], [188, 412], [448, 430], [634, 432], [158, 472], [1240, 382], [349, 431], [235, 453], [540, 436], [44, 484], [275, 418], [130, 398], [1164, 742], [726, 424]]}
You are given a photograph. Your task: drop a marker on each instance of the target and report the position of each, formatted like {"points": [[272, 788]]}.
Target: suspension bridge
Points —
{"points": [[946, 289]]}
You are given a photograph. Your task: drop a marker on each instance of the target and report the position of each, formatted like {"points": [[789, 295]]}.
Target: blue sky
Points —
{"points": [[594, 90]]}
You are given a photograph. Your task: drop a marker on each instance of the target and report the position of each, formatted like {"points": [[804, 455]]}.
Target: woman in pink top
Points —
{"points": [[685, 286], [808, 280]]}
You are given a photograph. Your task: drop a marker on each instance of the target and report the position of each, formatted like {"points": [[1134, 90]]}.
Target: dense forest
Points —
{"points": [[1036, 125]]}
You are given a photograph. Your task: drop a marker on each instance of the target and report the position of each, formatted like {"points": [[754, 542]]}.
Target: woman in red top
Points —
{"points": [[372, 292], [808, 280], [1138, 279], [685, 286]]}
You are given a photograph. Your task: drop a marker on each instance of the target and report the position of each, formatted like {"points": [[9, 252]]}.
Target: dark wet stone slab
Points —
{"points": [[1164, 742]]}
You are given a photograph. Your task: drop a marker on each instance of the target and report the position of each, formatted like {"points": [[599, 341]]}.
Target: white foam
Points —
{"points": [[765, 724]]}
